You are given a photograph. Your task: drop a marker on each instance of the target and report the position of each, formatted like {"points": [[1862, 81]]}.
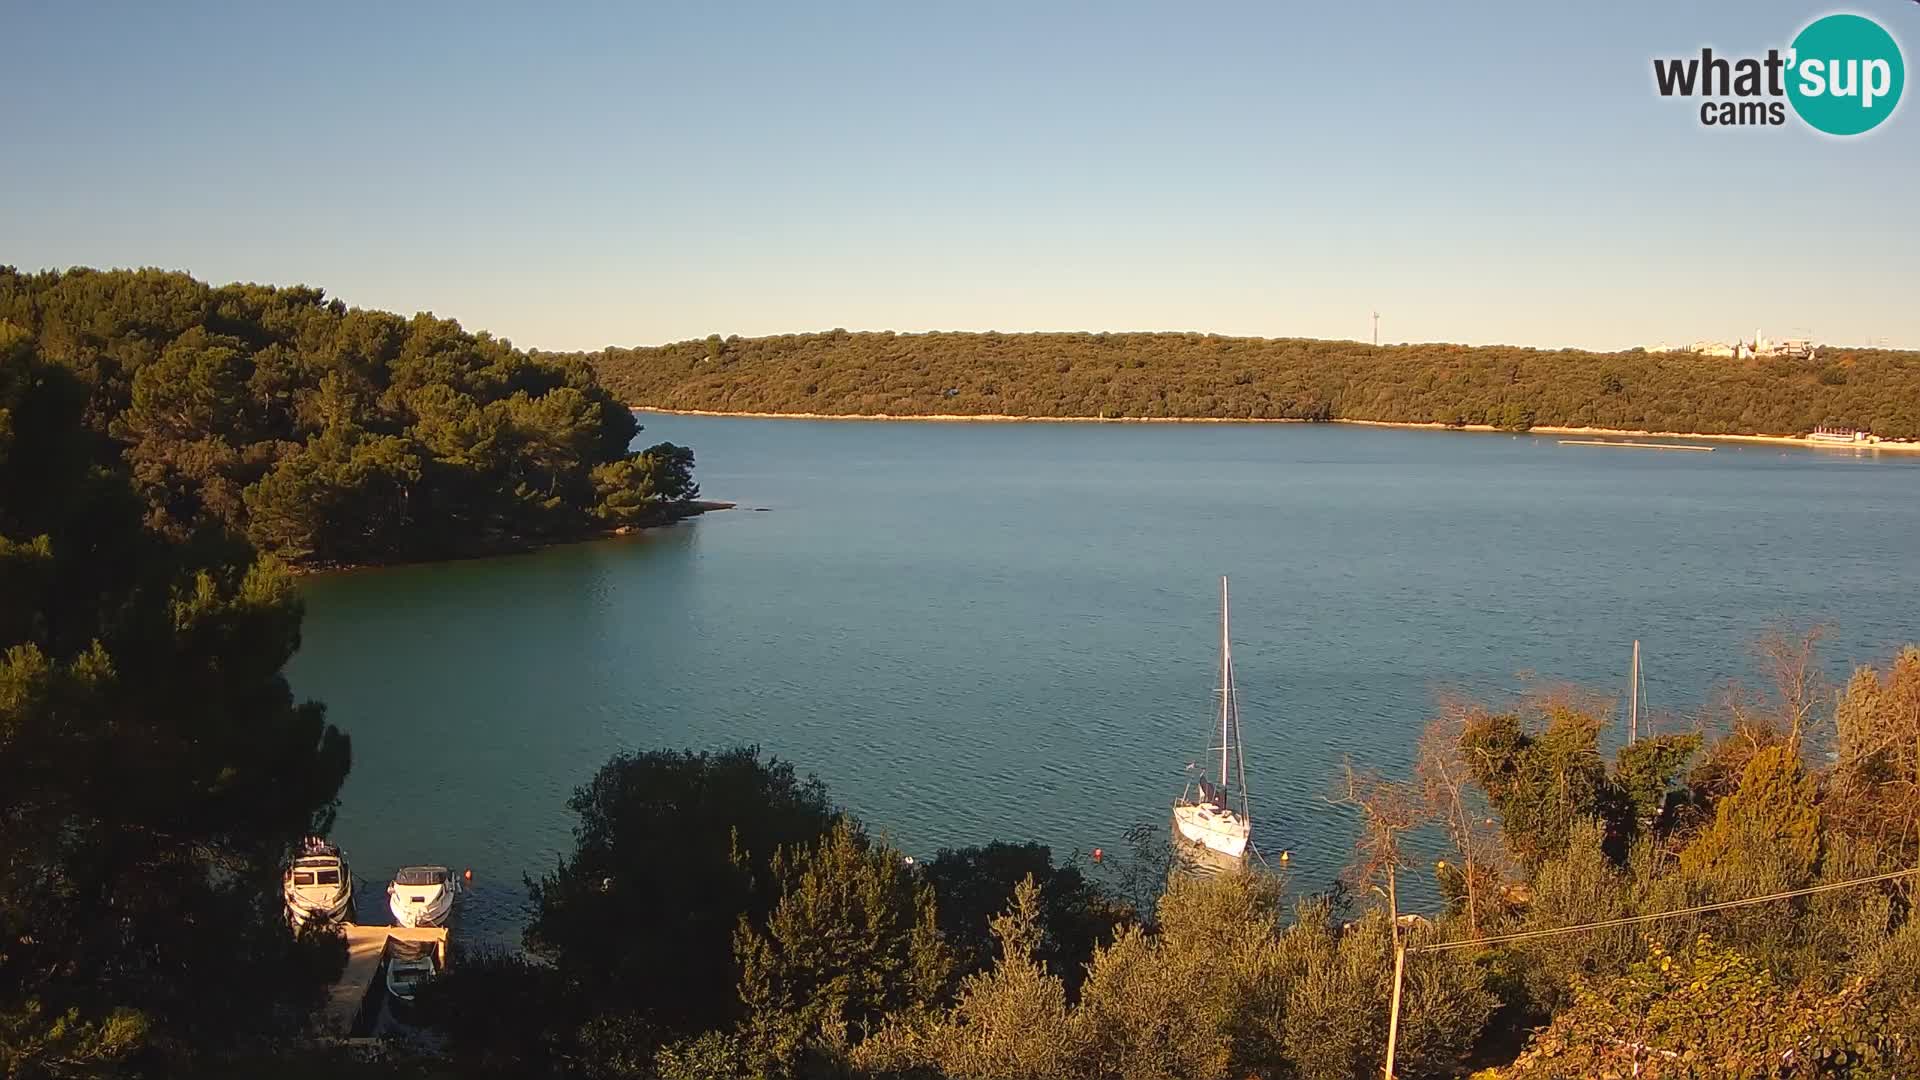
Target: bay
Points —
{"points": [[974, 631]]}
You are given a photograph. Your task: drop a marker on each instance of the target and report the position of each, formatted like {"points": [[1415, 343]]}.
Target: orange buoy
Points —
{"points": [[468, 875], [1097, 854]]}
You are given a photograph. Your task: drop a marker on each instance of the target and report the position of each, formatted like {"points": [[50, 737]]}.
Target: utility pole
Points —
{"points": [[1376, 329], [1399, 966], [1393, 1014]]}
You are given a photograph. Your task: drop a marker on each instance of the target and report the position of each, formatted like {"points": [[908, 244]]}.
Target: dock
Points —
{"points": [[350, 999], [1639, 445]]}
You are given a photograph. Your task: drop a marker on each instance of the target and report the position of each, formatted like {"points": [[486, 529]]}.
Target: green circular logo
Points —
{"points": [[1847, 74]]}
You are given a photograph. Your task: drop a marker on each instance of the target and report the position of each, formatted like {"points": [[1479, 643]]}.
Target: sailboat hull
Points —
{"points": [[1215, 828]]}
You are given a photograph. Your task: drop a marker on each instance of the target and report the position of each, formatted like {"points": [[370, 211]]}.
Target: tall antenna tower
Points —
{"points": [[1376, 329]]}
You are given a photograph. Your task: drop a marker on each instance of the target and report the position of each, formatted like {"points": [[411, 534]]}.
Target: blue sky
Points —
{"points": [[638, 173]]}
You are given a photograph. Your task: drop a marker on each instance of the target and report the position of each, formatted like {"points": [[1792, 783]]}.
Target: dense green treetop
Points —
{"points": [[155, 767], [1708, 1010], [672, 850], [1146, 375], [329, 434], [974, 885]]}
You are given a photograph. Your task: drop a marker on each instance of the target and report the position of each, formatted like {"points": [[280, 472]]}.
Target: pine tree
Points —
{"points": [[155, 765], [852, 939]]}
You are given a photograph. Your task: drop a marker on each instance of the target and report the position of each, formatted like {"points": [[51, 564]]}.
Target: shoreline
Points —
{"points": [[1538, 429], [693, 509]]}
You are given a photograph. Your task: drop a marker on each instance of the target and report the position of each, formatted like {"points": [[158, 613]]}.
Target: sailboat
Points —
{"points": [[1633, 710], [1205, 815]]}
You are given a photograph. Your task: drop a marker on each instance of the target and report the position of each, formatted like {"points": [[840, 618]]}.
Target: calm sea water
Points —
{"points": [[979, 631]]}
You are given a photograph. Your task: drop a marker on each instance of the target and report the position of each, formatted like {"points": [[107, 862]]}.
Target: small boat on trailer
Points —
{"points": [[421, 896], [1212, 818], [318, 885]]}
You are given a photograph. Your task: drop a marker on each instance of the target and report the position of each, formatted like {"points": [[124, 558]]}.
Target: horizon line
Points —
{"points": [[327, 295]]}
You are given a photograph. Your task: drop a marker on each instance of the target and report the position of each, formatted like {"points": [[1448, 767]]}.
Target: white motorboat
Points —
{"points": [[1205, 815], [421, 896], [318, 885]]}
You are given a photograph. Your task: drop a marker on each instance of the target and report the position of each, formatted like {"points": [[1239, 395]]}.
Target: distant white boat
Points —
{"points": [[421, 896], [318, 885], [1205, 814]]}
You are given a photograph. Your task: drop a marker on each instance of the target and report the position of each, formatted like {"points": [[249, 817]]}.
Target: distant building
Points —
{"points": [[1842, 436], [1796, 348], [1758, 345]]}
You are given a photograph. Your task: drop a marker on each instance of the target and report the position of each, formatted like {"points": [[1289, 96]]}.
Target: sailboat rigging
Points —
{"points": [[1633, 696], [1206, 814]]}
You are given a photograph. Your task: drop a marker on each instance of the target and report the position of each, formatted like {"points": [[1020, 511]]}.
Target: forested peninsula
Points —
{"points": [[328, 435], [1207, 376]]}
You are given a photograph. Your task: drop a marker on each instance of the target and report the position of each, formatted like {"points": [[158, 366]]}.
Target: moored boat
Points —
{"points": [[1205, 816], [318, 884], [411, 965], [421, 896]]}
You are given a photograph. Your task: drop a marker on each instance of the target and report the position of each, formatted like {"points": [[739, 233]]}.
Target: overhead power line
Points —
{"points": [[1401, 951], [1524, 935]]}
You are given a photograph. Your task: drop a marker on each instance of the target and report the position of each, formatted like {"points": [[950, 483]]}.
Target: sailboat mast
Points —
{"points": [[1240, 754], [1633, 710], [1226, 683]]}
